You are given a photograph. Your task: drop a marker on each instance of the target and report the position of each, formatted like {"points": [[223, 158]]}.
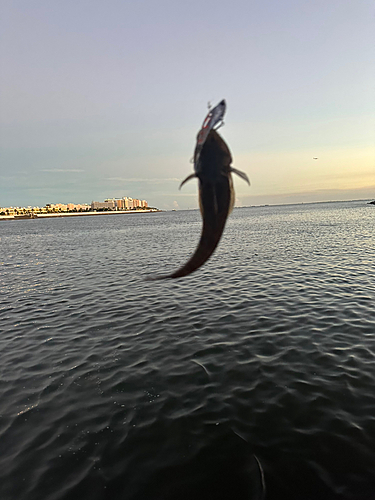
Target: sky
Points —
{"points": [[103, 99]]}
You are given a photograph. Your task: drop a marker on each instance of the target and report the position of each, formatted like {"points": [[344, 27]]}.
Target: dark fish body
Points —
{"points": [[212, 167], [216, 199]]}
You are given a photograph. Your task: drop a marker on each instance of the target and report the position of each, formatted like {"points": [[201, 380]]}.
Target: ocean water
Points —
{"points": [[261, 362]]}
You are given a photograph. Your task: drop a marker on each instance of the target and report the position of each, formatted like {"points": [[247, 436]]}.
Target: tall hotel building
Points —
{"points": [[124, 203]]}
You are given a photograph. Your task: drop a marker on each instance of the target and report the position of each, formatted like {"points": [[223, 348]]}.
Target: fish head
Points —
{"points": [[214, 158]]}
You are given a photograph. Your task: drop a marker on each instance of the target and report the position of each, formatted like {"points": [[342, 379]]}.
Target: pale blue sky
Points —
{"points": [[104, 98]]}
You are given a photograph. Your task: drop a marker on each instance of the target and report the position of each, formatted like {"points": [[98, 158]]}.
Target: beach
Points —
{"points": [[73, 214]]}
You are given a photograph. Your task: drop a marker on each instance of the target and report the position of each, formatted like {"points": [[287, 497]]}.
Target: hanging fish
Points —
{"points": [[212, 167]]}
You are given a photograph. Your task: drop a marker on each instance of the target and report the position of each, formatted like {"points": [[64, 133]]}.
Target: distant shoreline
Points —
{"points": [[74, 214]]}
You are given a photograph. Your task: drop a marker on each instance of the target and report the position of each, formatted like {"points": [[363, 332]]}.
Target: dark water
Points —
{"points": [[116, 388]]}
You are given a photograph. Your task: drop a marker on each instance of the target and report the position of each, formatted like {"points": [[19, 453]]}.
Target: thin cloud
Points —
{"points": [[179, 194], [137, 179], [317, 195], [351, 174], [53, 170]]}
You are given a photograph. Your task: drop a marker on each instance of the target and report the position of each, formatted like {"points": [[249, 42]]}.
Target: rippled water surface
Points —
{"points": [[113, 387]]}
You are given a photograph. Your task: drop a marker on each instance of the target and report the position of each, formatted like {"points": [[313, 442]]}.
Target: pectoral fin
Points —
{"points": [[191, 176], [239, 173]]}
